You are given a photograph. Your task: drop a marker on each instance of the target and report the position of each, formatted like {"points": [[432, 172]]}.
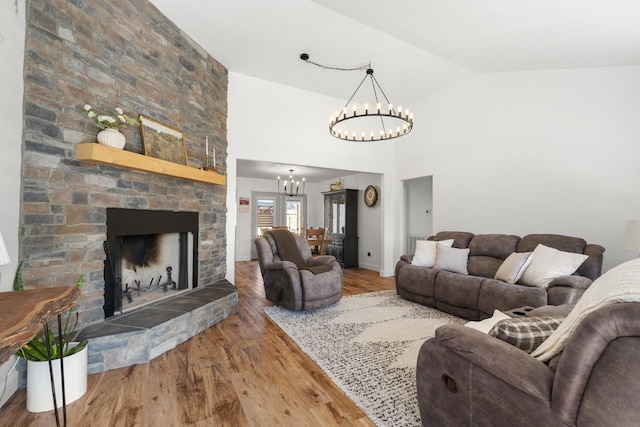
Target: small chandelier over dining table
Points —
{"points": [[291, 187], [362, 122]]}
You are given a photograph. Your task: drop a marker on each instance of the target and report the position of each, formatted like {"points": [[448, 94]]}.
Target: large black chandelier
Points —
{"points": [[291, 187], [361, 122]]}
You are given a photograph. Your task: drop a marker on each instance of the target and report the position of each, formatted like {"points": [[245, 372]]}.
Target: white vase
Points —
{"points": [[111, 137], [39, 397]]}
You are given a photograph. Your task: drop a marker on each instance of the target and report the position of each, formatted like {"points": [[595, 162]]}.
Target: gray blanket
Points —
{"points": [[288, 251]]}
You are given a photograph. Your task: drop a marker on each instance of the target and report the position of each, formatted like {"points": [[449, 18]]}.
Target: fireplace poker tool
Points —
{"points": [[169, 281]]}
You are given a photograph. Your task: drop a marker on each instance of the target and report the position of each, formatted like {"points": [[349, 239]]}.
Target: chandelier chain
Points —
{"points": [[306, 59]]}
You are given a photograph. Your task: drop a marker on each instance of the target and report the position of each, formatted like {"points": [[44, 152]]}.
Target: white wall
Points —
{"points": [[281, 124], [12, 32], [533, 152]]}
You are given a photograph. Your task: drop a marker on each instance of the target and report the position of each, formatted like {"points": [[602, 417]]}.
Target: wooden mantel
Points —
{"points": [[97, 153]]}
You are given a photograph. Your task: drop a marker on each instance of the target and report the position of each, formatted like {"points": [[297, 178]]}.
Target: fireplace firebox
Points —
{"points": [[149, 254]]}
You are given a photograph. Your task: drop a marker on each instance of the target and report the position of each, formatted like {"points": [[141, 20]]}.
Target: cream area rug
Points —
{"points": [[368, 345]]}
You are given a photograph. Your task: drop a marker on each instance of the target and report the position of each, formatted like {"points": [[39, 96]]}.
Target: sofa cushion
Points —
{"points": [[451, 259], [513, 267], [461, 239], [549, 263], [493, 245], [487, 251], [563, 243], [417, 281], [526, 333], [458, 294], [495, 294]]}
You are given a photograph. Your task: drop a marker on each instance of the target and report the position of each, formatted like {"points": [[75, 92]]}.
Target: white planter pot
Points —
{"points": [[39, 397], [112, 138]]}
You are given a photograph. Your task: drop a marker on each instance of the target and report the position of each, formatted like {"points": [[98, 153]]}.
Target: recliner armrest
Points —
{"points": [[408, 258], [502, 360], [280, 265], [322, 260], [576, 282]]}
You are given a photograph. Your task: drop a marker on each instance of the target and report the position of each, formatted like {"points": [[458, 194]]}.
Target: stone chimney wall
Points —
{"points": [[126, 54]]}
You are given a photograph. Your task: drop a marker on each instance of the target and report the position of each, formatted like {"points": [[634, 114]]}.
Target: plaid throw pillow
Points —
{"points": [[526, 333]]}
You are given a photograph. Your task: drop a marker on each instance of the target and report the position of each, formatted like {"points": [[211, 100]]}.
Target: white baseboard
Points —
{"points": [[368, 266]]}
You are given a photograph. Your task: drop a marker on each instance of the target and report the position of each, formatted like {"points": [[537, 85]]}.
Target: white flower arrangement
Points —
{"points": [[104, 121]]}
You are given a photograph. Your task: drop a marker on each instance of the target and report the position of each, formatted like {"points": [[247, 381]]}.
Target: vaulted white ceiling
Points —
{"points": [[416, 47]]}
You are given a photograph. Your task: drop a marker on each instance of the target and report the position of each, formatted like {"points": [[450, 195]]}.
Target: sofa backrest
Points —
{"points": [[461, 239], [591, 267], [488, 251]]}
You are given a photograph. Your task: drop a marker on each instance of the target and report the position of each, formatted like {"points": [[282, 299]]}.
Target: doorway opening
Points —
{"points": [[418, 209]]}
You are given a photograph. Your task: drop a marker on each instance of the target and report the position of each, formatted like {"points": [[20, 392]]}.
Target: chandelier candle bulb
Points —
{"points": [[378, 108], [390, 109], [355, 110], [366, 109]]}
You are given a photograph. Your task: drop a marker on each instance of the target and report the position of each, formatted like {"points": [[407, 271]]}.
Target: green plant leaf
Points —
{"points": [[17, 279], [36, 349]]}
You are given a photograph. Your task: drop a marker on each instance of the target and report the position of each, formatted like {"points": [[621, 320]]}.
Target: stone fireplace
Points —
{"points": [[125, 55]]}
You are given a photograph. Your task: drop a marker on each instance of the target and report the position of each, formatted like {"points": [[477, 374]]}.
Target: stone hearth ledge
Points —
{"points": [[142, 334]]}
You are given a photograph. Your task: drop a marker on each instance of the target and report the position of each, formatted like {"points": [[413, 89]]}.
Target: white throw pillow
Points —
{"points": [[425, 255], [512, 268], [486, 324], [451, 259], [549, 263]]}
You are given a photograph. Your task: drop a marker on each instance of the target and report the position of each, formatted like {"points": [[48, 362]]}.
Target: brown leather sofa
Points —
{"points": [[475, 296], [469, 378], [287, 286]]}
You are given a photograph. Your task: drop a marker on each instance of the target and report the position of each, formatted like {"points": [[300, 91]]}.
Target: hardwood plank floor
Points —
{"points": [[244, 371]]}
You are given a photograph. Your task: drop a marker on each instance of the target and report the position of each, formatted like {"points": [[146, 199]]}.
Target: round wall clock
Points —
{"points": [[370, 196]]}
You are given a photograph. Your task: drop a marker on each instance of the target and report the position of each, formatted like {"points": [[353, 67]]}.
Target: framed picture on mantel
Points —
{"points": [[162, 142]]}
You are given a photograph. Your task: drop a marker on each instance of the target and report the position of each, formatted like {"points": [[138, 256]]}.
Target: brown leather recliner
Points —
{"points": [[287, 286], [468, 378]]}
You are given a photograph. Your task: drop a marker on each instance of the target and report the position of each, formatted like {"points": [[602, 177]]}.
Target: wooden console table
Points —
{"points": [[23, 314]]}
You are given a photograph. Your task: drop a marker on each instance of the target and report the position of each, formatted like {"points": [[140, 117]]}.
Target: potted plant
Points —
{"points": [[36, 352], [110, 126]]}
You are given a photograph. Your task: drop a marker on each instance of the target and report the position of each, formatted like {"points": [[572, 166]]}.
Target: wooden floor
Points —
{"points": [[244, 371]]}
